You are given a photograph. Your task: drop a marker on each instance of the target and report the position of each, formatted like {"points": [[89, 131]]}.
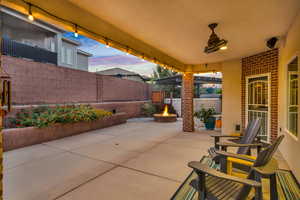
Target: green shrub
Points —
{"points": [[45, 116], [148, 109], [204, 114]]}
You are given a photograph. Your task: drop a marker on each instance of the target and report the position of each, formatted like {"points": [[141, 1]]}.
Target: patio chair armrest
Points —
{"points": [[231, 144], [268, 169], [203, 168], [238, 156], [262, 143], [225, 136]]}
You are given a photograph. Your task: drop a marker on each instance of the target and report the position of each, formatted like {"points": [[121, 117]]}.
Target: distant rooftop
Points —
{"points": [[118, 72]]}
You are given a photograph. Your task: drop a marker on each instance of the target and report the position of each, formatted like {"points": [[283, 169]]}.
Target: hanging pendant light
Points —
{"points": [[214, 42], [76, 31], [30, 16]]}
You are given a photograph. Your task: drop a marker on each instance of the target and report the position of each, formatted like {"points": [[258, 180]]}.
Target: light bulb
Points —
{"points": [[30, 17], [75, 34], [223, 48]]}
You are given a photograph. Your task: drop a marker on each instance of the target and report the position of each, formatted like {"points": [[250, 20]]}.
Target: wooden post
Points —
{"points": [[187, 107]]}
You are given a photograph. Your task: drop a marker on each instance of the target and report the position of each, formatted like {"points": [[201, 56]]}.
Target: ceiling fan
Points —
{"points": [[214, 42]]}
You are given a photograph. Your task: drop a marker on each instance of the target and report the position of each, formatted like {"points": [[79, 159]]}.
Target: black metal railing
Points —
{"points": [[18, 49]]}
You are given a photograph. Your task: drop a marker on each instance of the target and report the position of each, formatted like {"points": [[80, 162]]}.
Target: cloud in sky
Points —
{"points": [[107, 58]]}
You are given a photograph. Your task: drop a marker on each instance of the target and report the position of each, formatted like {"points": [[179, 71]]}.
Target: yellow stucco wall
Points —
{"points": [[290, 147], [231, 95]]}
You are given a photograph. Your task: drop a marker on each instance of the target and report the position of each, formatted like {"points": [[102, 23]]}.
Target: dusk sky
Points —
{"points": [[107, 58]]}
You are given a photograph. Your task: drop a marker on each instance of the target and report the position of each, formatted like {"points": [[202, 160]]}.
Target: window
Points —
{"points": [[292, 101], [52, 46], [67, 55], [63, 56]]}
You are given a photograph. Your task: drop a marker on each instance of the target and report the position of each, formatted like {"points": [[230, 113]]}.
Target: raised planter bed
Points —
{"points": [[20, 137]]}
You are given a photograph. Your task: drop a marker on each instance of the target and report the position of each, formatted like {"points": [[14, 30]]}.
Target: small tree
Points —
{"points": [[161, 72]]}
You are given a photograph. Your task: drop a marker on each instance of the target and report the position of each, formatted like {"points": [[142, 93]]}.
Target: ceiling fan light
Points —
{"points": [[223, 47]]}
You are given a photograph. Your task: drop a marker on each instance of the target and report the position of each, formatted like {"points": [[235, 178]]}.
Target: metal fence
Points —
{"points": [[17, 49]]}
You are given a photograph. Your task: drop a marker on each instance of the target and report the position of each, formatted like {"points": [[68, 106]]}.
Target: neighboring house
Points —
{"points": [[40, 42], [124, 74]]}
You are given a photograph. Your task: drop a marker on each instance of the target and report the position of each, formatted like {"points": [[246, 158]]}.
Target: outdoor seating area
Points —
{"points": [[137, 159], [145, 100]]}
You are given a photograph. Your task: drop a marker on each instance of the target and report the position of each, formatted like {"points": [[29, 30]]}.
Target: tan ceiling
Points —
{"points": [[179, 27]]}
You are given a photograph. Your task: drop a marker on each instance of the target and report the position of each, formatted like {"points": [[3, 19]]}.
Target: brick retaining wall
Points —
{"points": [[20, 137]]}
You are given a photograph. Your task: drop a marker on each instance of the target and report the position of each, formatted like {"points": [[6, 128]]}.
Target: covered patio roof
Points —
{"points": [[170, 33]]}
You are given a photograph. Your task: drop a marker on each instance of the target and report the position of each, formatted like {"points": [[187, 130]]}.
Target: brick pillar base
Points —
{"points": [[187, 108]]}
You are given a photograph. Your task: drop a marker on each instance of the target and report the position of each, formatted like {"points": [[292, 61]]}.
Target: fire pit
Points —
{"points": [[165, 116]]}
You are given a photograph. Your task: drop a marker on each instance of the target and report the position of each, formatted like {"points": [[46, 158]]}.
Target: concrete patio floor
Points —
{"points": [[137, 160]]}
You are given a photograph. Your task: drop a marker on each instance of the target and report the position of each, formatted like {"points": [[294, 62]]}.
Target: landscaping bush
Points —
{"points": [[148, 109], [205, 114], [45, 116]]}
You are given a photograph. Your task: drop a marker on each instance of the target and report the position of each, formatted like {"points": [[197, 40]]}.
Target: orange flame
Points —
{"points": [[166, 113]]}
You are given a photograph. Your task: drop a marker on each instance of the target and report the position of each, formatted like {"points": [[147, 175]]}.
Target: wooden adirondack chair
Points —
{"points": [[234, 137], [244, 144], [249, 136], [215, 185]]}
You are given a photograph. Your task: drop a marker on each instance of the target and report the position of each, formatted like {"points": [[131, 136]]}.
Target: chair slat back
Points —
{"points": [[252, 132], [247, 131], [265, 155]]}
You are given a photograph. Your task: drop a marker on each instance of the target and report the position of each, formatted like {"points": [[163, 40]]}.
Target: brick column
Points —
{"points": [[187, 108], [1, 119]]}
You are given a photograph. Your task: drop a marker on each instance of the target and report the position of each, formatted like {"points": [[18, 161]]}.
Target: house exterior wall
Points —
{"points": [[262, 63], [290, 146], [82, 62], [231, 95], [27, 33], [133, 78]]}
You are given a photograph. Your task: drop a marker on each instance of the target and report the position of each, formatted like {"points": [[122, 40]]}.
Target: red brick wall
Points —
{"points": [[131, 108], [36, 83], [116, 89], [265, 62], [187, 107]]}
